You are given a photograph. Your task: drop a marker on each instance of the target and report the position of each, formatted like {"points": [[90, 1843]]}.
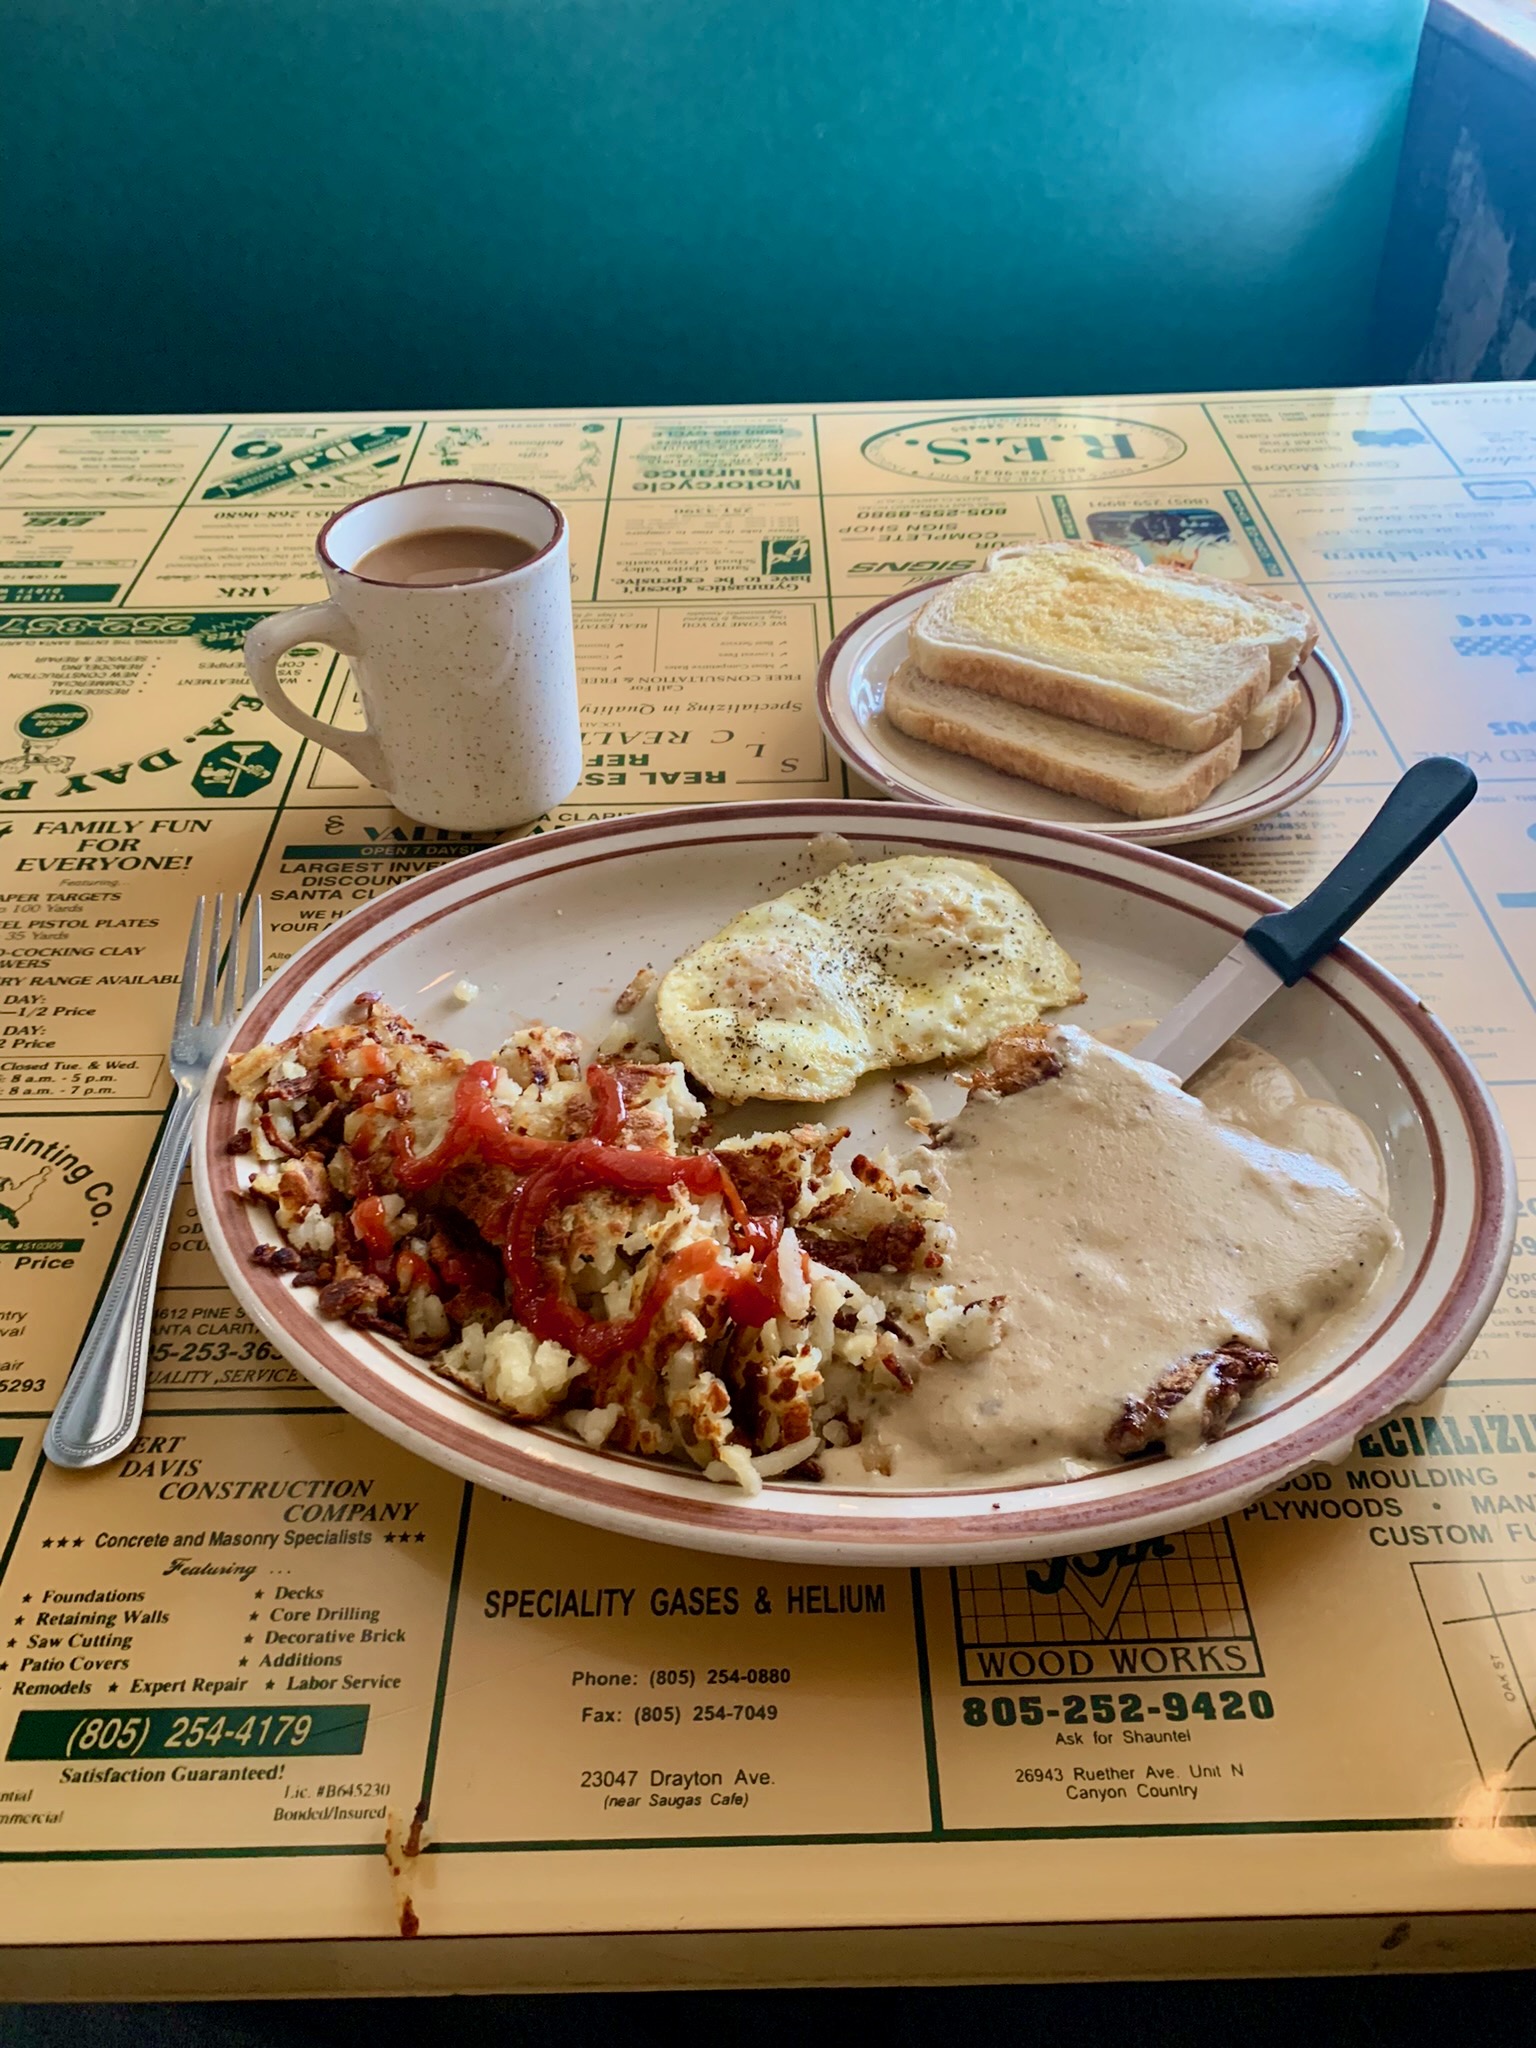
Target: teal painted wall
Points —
{"points": [[331, 203]]}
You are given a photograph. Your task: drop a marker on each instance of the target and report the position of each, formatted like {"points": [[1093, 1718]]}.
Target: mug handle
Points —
{"points": [[271, 638]]}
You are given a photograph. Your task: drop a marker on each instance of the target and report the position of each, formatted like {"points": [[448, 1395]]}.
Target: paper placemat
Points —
{"points": [[235, 1665]]}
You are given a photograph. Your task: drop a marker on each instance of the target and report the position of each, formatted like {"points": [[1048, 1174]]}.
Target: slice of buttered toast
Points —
{"points": [[1134, 777], [1272, 714], [1092, 633]]}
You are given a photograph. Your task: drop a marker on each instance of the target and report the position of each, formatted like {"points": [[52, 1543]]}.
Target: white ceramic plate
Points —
{"points": [[552, 928], [850, 698]]}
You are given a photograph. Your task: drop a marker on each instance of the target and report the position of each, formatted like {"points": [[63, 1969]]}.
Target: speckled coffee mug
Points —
{"points": [[468, 689]]}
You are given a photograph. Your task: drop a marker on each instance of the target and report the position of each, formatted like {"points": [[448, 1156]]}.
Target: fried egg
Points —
{"points": [[874, 965]]}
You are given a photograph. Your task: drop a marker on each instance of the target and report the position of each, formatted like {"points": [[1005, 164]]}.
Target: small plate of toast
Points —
{"points": [[1072, 683]]}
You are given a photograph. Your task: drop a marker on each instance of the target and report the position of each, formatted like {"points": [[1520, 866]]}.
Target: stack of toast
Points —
{"points": [[1082, 668]]}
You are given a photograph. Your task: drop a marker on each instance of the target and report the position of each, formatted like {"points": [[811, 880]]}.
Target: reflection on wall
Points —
{"points": [[1458, 289]]}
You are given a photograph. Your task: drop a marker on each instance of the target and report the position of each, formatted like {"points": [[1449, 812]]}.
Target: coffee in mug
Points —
{"points": [[447, 554], [452, 601]]}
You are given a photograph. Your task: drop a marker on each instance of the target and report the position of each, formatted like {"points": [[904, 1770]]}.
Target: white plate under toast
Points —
{"points": [[553, 927], [850, 699]]}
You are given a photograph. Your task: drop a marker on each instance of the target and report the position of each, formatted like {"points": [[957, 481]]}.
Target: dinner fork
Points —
{"points": [[98, 1414]]}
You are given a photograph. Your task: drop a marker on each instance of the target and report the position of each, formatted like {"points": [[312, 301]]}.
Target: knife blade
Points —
{"points": [[1278, 949]]}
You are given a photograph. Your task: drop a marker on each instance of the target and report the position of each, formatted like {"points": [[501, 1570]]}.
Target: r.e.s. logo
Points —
{"points": [[1024, 447]]}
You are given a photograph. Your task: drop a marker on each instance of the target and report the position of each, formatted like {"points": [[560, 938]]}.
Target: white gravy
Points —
{"points": [[1127, 1225]]}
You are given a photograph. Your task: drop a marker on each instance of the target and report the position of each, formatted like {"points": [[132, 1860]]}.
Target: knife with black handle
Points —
{"points": [[1277, 950]]}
